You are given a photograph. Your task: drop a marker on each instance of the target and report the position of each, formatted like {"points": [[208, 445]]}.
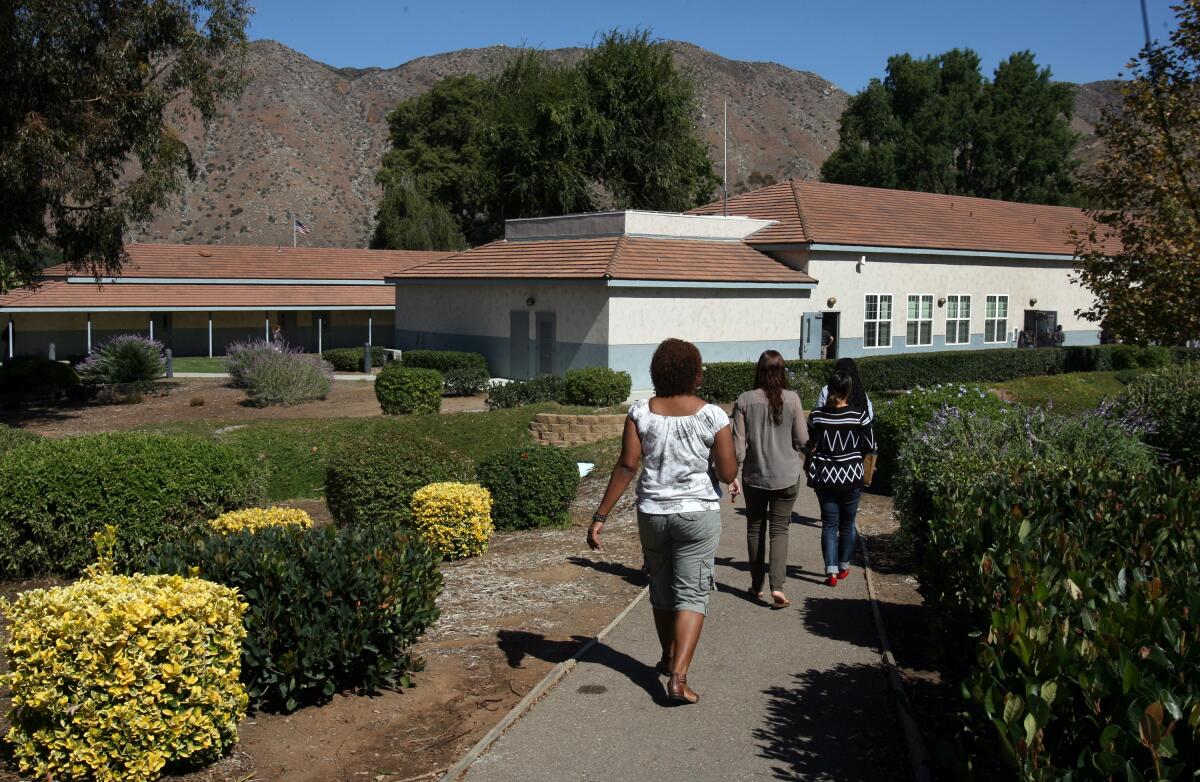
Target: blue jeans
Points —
{"points": [[839, 509]]}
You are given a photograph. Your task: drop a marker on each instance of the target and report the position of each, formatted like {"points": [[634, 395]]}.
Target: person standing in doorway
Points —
{"points": [[826, 343], [840, 436], [769, 431], [685, 447]]}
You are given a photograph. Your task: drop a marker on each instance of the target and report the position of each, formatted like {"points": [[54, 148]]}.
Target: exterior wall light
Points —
{"points": [[1033, 302], [530, 301], [941, 301], [831, 301]]}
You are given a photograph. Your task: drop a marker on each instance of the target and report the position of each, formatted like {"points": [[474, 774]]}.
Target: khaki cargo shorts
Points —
{"points": [[679, 549]]}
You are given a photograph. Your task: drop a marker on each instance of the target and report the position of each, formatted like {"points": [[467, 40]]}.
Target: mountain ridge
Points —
{"points": [[306, 138]]}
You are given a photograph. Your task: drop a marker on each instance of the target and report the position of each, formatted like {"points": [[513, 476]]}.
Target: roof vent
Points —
{"points": [[206, 253]]}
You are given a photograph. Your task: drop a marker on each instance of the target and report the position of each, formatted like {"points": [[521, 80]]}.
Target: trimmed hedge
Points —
{"points": [[724, 381], [351, 359], [371, 480], [1077, 591], [330, 609], [531, 486], [467, 381], [11, 437], [113, 677], [39, 378], [518, 393], [443, 360], [596, 387], [403, 390], [55, 494]]}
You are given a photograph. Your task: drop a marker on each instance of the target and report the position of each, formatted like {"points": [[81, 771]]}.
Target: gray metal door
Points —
{"points": [[546, 339], [518, 344], [810, 339]]}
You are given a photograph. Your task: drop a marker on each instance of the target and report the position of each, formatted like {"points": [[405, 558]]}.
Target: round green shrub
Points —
{"points": [[39, 378], [351, 359], [55, 494], [123, 360], [403, 390], [329, 609], [531, 486], [466, 381], [11, 437], [371, 480], [518, 393], [596, 387]]}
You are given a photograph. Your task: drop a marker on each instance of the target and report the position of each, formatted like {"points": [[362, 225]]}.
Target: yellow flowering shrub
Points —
{"points": [[454, 518], [115, 676], [254, 519]]}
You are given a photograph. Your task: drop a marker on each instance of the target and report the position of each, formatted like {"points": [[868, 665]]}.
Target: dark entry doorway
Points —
{"points": [[830, 323], [1039, 327], [547, 339]]}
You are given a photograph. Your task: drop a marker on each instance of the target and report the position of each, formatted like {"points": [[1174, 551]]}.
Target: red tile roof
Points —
{"points": [[58, 293], [248, 262], [825, 213], [618, 258]]}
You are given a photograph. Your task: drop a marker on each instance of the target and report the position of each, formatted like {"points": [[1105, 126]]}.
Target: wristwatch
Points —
{"points": [[599, 517]]}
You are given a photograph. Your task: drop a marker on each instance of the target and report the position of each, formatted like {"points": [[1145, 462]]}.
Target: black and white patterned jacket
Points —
{"points": [[839, 437]]}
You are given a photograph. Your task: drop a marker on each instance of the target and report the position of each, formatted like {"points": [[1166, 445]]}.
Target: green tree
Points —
{"points": [[616, 130], [1142, 257], [645, 149], [85, 143], [937, 125], [408, 219]]}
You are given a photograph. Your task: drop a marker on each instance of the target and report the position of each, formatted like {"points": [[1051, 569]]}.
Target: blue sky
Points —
{"points": [[846, 41]]}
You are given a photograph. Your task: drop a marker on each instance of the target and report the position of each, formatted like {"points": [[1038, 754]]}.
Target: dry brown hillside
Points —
{"points": [[308, 138]]}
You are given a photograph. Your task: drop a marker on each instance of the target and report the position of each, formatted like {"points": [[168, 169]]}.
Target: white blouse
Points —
{"points": [[677, 474]]}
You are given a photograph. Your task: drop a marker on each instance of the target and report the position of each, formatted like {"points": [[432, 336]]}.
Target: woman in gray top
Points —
{"points": [[769, 430]]}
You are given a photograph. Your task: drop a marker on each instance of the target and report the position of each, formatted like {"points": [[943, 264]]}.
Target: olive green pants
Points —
{"points": [[768, 509], [679, 549]]}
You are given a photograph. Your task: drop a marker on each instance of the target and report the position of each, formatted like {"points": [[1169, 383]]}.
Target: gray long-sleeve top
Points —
{"points": [[769, 454]]}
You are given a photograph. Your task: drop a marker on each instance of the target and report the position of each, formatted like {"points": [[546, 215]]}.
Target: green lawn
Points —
{"points": [[199, 364], [1068, 394], [294, 451]]}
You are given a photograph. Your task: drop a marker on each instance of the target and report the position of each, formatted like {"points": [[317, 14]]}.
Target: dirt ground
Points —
{"points": [[199, 399], [906, 618], [506, 618]]}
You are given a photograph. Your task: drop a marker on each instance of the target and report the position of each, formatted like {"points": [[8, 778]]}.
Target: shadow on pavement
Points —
{"points": [[850, 620], [793, 571], [635, 576], [517, 644], [833, 724]]}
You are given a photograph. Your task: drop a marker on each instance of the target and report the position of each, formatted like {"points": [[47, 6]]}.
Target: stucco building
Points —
{"points": [[795, 264], [197, 299]]}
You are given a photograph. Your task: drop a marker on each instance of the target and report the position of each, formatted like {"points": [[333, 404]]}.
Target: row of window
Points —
{"points": [[877, 325]]}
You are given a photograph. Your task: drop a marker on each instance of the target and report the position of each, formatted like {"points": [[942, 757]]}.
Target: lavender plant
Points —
{"points": [[124, 360]]}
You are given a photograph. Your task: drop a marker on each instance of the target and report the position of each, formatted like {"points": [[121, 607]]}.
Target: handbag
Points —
{"points": [[868, 468]]}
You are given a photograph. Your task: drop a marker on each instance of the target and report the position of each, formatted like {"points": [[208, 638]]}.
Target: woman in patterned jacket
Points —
{"points": [[840, 435]]}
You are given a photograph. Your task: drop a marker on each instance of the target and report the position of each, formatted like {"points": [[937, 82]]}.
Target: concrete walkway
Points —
{"points": [[796, 694]]}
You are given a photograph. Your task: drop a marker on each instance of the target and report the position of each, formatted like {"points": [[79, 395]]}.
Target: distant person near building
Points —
{"points": [[826, 343], [1058, 337]]}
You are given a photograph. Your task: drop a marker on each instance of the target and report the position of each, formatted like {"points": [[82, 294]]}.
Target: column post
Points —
{"points": [[12, 327], [89, 332], [210, 345], [370, 328], [267, 326], [151, 326], [320, 334]]}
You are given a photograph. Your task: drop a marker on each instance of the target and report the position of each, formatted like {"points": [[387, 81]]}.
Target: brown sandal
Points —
{"points": [[777, 603], [678, 691]]}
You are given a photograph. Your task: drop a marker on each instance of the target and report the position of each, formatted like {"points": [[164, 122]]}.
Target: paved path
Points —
{"points": [[787, 695]]}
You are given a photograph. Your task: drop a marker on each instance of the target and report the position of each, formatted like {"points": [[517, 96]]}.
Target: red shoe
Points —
{"points": [[843, 573], [832, 580]]}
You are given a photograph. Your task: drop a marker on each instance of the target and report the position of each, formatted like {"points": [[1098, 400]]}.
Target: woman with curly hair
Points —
{"points": [[685, 447], [769, 429]]}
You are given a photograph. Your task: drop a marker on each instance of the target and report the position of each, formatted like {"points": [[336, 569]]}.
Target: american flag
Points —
{"points": [[300, 227]]}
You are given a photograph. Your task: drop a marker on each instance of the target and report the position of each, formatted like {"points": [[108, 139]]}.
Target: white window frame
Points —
{"points": [[919, 320], [952, 324], [878, 320], [1000, 334]]}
